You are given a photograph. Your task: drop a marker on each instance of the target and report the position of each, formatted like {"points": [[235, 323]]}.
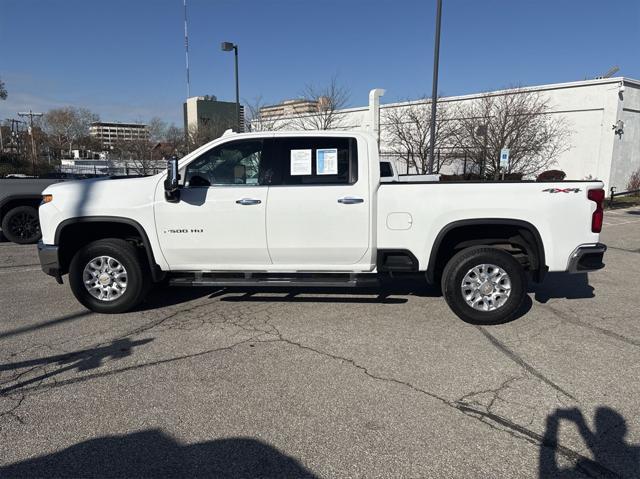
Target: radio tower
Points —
{"points": [[186, 47]]}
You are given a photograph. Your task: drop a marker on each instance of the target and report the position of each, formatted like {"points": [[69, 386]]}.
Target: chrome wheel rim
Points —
{"points": [[486, 287], [105, 278]]}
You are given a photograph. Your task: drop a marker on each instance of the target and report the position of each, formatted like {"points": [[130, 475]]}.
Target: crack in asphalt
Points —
{"points": [[584, 464], [495, 392], [66, 382], [12, 412], [139, 330], [515, 430], [504, 349], [574, 320], [245, 321]]}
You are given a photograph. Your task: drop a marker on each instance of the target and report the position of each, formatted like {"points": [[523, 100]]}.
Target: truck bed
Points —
{"points": [[560, 211]]}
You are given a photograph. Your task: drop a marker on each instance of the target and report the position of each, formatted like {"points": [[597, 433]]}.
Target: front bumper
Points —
{"points": [[587, 258], [49, 260]]}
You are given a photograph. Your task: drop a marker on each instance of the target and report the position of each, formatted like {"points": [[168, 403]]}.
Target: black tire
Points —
{"points": [[21, 225], [137, 283], [461, 263]]}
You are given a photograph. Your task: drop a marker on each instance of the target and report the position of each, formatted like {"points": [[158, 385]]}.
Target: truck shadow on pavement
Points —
{"points": [[362, 295], [359, 295], [167, 296], [562, 285], [612, 455], [83, 360], [152, 453]]}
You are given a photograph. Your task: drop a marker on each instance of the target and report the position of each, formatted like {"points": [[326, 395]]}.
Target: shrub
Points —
{"points": [[634, 181], [551, 175], [477, 177], [467, 177], [513, 176]]}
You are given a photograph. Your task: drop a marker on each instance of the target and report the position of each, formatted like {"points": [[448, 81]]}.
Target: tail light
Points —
{"points": [[598, 214]]}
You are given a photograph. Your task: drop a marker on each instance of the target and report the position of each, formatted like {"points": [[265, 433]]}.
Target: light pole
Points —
{"points": [[227, 47], [434, 90]]}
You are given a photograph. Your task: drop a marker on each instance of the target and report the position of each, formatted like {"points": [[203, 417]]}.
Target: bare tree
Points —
{"points": [[408, 128], [198, 135], [519, 120], [256, 119], [175, 138], [157, 129], [66, 126], [3, 91], [328, 100], [137, 154]]}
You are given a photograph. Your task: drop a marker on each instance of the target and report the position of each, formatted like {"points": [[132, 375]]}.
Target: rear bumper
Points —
{"points": [[49, 260], [587, 258]]}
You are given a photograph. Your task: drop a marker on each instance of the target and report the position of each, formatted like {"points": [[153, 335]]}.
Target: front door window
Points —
{"points": [[234, 163]]}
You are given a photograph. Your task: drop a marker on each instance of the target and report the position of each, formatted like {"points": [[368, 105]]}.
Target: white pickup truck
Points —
{"points": [[309, 208]]}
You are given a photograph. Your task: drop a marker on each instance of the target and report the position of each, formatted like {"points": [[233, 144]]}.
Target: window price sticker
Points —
{"points": [[327, 161], [300, 162]]}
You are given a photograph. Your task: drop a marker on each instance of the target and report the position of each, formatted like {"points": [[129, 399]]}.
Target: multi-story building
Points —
{"points": [[289, 107], [110, 133], [205, 114]]}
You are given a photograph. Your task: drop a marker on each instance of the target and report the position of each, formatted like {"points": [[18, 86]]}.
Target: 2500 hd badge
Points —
{"points": [[185, 230]]}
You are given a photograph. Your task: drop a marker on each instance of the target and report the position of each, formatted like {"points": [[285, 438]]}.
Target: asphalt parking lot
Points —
{"points": [[311, 383]]}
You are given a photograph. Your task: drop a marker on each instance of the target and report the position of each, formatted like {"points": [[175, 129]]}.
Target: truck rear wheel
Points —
{"points": [[21, 225], [484, 285], [107, 276]]}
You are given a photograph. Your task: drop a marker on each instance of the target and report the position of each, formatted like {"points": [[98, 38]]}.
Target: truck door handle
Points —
{"points": [[248, 201], [350, 200]]}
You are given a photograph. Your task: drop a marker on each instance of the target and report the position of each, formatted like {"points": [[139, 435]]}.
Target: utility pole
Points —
{"points": [[31, 114], [434, 90]]}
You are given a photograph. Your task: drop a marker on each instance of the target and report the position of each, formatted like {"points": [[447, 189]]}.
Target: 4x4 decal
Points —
{"points": [[562, 190]]}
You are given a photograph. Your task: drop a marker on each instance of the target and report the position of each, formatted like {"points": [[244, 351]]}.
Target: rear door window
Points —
{"points": [[314, 160]]}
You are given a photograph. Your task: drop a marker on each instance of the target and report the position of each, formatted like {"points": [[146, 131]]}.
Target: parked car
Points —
{"points": [[18, 175], [19, 201], [309, 208]]}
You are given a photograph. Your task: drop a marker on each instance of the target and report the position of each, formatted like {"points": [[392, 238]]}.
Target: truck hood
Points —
{"points": [[102, 196]]}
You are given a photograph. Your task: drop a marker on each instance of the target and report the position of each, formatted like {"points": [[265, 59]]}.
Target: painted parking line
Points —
{"points": [[20, 270], [622, 223], [623, 211]]}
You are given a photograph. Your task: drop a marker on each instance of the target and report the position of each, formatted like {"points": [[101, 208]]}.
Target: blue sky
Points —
{"points": [[124, 59]]}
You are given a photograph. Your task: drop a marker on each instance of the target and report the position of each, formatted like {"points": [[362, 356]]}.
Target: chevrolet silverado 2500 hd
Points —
{"points": [[308, 208]]}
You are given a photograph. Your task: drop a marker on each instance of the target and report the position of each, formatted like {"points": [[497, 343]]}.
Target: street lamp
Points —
{"points": [[434, 88], [227, 47]]}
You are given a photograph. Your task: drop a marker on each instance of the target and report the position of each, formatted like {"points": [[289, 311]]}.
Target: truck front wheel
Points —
{"points": [[107, 276], [484, 285]]}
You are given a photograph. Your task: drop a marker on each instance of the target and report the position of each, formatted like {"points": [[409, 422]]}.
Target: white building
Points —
{"points": [[590, 108], [109, 133]]}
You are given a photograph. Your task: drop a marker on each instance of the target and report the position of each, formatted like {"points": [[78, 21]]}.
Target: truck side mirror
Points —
{"points": [[171, 185]]}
